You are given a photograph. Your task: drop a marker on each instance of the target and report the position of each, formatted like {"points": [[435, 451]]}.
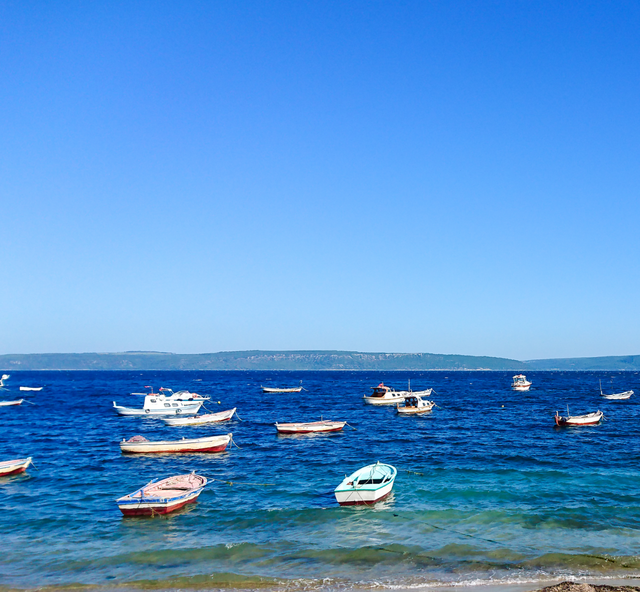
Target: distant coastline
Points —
{"points": [[304, 360]]}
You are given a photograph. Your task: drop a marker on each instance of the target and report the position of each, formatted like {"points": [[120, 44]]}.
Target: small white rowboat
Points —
{"points": [[200, 419], [30, 388], [8, 403], [13, 467], [616, 396], [579, 420], [266, 389], [313, 427], [139, 444], [367, 485], [162, 497]]}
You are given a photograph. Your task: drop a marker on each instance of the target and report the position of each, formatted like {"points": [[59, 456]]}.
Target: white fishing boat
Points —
{"points": [[616, 396], [367, 485], [386, 395], [162, 497], [414, 405], [294, 389], [140, 445], [579, 420], [314, 427], [166, 403], [520, 383], [9, 403], [200, 419], [30, 388], [13, 467]]}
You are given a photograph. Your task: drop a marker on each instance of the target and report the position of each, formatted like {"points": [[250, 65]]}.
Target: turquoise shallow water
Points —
{"points": [[485, 493]]}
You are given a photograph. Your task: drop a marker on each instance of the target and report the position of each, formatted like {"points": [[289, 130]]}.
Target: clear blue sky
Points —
{"points": [[449, 177]]}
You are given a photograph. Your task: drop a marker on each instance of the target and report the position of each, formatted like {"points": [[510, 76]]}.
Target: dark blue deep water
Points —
{"points": [[488, 490]]}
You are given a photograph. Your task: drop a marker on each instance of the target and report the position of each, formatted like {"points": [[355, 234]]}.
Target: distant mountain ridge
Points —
{"points": [[301, 360]]}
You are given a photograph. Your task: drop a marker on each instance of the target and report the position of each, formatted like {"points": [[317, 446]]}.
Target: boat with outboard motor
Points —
{"points": [[13, 467], [140, 445], [414, 405], [313, 427], [200, 419], [520, 383], [386, 395], [166, 402], [162, 497], [367, 485]]}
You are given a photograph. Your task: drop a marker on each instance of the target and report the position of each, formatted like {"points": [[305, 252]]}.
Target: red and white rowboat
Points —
{"points": [[13, 467], [139, 444], [579, 420], [313, 427], [7, 403], [162, 497]]}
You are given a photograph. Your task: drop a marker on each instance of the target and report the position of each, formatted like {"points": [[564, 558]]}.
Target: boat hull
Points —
{"points": [[619, 396], [153, 509], [310, 428], [521, 388], [408, 411], [201, 420], [131, 412], [14, 467], [275, 390], [575, 421], [11, 403], [30, 388], [215, 444], [383, 400], [367, 486]]}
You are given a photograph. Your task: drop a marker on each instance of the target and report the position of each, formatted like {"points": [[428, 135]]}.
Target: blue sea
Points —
{"points": [[488, 490]]}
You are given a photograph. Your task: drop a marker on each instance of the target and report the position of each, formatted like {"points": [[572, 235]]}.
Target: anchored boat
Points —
{"points": [[520, 383], [616, 396], [162, 497], [386, 395], [314, 427], [201, 419], [8, 403], [13, 467], [30, 388], [166, 403], [579, 420], [367, 485], [415, 405], [295, 389], [140, 445]]}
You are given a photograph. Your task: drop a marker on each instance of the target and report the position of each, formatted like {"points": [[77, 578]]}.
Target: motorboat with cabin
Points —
{"points": [[520, 383], [366, 486], [414, 405], [166, 402], [386, 395]]}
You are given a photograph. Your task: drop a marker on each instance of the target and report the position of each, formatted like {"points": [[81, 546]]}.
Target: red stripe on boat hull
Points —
{"points": [[154, 511], [14, 472], [309, 431]]}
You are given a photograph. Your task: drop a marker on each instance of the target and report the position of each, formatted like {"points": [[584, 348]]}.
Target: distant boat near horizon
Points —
{"points": [[520, 383], [616, 396], [294, 389], [31, 388]]}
